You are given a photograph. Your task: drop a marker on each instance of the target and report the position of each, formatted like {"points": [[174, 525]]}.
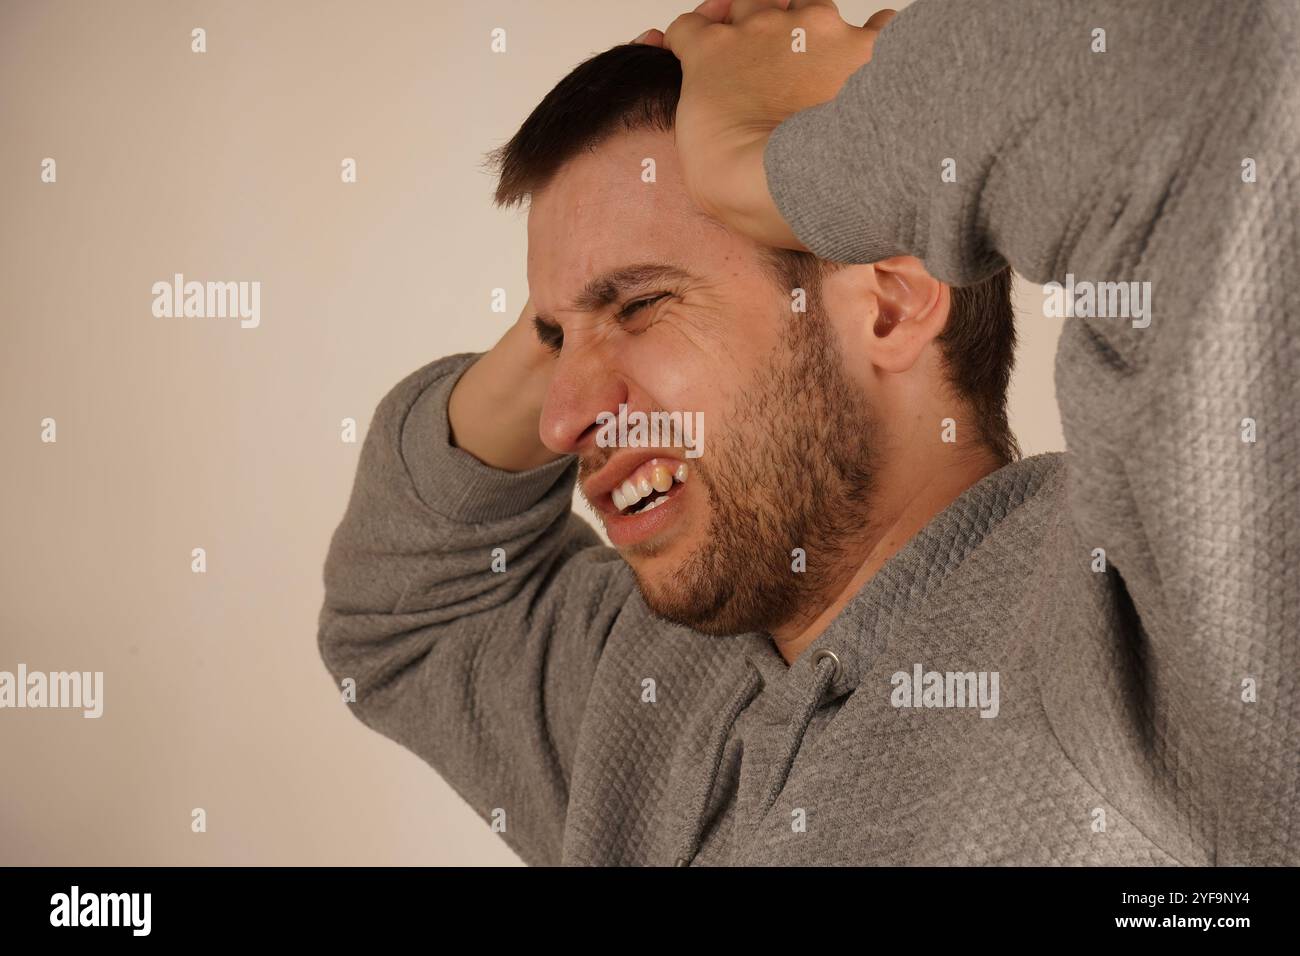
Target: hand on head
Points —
{"points": [[747, 65]]}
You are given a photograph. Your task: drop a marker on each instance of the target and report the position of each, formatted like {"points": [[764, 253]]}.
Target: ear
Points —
{"points": [[912, 311]]}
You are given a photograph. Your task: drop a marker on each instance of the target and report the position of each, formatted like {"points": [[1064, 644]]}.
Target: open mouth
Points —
{"points": [[649, 486]]}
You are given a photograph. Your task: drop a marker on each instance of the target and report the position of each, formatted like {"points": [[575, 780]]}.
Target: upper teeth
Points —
{"points": [[652, 476]]}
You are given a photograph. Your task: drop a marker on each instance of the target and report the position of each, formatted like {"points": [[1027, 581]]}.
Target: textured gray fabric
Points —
{"points": [[1121, 693]]}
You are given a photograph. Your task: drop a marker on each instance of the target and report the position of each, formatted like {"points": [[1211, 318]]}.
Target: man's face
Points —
{"points": [[663, 309]]}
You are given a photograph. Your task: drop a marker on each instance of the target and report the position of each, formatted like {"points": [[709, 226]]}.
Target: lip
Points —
{"points": [[625, 530]]}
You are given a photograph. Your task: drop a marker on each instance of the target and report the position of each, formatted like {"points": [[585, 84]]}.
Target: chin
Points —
{"points": [[659, 578], [653, 572]]}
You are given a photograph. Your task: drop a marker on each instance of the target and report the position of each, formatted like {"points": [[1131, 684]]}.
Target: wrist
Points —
{"points": [[759, 218]]}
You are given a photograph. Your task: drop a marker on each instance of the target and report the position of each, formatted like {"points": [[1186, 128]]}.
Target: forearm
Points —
{"points": [[984, 133], [461, 603]]}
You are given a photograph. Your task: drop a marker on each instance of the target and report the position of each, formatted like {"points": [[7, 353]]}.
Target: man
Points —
{"points": [[856, 629]]}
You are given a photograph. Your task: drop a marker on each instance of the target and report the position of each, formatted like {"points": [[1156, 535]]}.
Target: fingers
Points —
{"points": [[683, 32], [651, 37], [686, 29], [715, 10], [740, 9], [876, 21]]}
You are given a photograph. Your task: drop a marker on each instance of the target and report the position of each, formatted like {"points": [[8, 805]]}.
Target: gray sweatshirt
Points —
{"points": [[1121, 622]]}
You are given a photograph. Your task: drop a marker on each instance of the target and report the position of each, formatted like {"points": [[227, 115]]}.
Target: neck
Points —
{"points": [[907, 511]]}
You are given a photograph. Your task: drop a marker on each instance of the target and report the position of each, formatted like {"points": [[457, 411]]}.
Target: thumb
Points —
{"points": [[682, 33]]}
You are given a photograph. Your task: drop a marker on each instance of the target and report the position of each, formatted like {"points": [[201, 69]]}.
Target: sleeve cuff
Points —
{"points": [[451, 481], [843, 173], [819, 192]]}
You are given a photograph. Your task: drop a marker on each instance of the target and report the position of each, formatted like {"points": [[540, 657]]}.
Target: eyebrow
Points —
{"points": [[608, 288]]}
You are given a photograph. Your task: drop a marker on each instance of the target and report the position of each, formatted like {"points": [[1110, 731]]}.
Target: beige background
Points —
{"points": [[183, 433]]}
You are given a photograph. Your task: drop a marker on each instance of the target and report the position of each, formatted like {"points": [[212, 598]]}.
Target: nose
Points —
{"points": [[582, 386]]}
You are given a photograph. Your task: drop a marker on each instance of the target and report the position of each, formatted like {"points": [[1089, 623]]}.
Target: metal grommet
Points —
{"points": [[820, 655]]}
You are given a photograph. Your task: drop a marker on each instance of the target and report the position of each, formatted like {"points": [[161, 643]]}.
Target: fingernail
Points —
{"points": [[642, 36]]}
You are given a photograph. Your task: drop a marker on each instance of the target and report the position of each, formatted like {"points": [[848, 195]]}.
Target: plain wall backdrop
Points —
{"points": [[179, 433]]}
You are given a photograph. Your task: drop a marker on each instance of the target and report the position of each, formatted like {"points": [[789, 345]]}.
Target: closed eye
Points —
{"points": [[551, 336], [548, 333], [636, 305]]}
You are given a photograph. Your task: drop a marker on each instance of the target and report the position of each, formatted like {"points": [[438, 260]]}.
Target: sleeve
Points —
{"points": [[1143, 156], [470, 606]]}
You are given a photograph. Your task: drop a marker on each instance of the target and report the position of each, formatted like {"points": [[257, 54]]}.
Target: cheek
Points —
{"points": [[679, 383], [697, 382], [702, 356], [721, 344], [670, 360]]}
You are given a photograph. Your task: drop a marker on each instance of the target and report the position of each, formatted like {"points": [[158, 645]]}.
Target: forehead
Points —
{"points": [[599, 214]]}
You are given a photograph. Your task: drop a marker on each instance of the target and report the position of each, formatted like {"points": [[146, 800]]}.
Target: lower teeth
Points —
{"points": [[651, 506]]}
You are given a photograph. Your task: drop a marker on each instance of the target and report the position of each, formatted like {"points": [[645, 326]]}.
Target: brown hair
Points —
{"points": [[629, 87], [633, 87]]}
